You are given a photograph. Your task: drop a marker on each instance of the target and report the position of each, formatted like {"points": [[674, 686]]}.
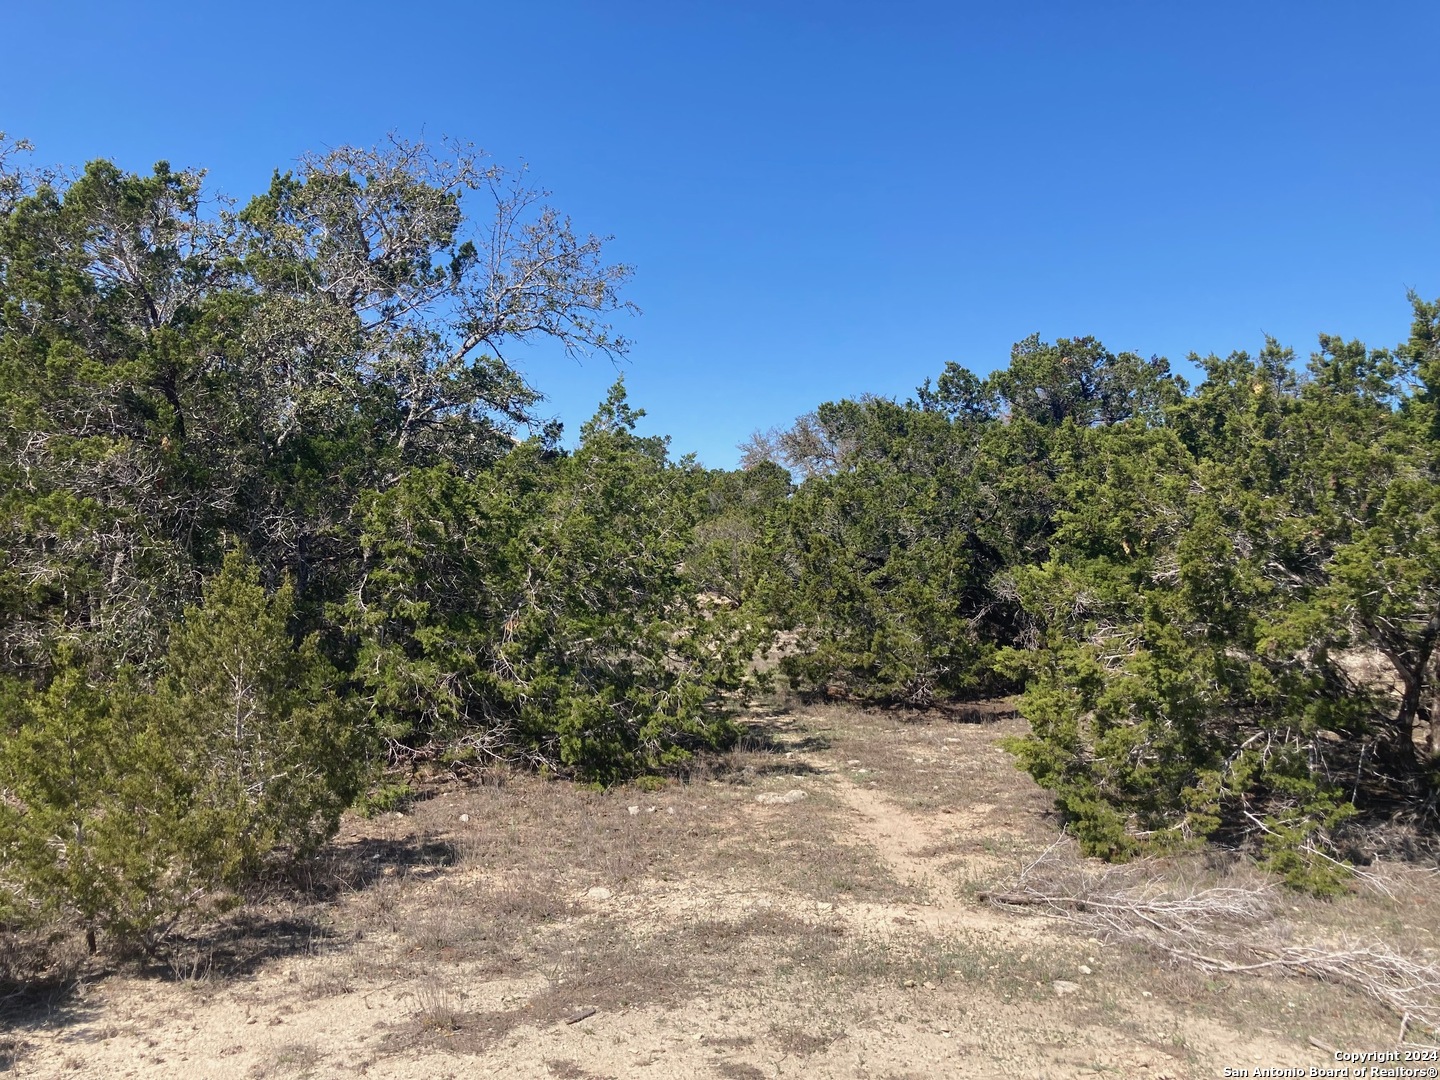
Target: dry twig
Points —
{"points": [[1229, 931]]}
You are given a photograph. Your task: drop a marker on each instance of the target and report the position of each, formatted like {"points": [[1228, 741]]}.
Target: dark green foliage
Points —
{"points": [[883, 570], [386, 797], [127, 807], [897, 557], [265, 727], [267, 520], [1078, 381], [542, 607], [314, 381], [1192, 588], [739, 513], [1215, 579], [94, 830], [108, 315]]}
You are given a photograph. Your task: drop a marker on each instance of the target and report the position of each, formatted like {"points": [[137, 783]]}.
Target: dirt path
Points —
{"points": [[726, 928], [913, 848]]}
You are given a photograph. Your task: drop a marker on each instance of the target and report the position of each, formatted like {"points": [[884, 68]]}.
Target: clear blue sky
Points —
{"points": [[823, 199]]}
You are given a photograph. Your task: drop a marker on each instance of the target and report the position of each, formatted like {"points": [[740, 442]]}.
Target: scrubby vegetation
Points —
{"points": [[1218, 605], [277, 515]]}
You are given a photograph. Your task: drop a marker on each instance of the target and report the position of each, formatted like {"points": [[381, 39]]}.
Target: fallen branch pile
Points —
{"points": [[1225, 930]]}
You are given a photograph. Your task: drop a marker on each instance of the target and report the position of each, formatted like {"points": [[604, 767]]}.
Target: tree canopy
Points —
{"points": [[277, 512]]}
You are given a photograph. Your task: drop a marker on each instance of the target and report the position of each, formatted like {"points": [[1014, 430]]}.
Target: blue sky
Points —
{"points": [[823, 199]]}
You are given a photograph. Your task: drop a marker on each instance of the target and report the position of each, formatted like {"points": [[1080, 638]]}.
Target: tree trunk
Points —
{"points": [[1432, 714], [1413, 712]]}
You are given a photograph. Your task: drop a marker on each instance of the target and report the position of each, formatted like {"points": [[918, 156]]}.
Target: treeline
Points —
{"points": [[1220, 605], [275, 512]]}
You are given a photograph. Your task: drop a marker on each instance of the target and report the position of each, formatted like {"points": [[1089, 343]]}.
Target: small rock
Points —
{"points": [[853, 761], [861, 772], [669, 810], [649, 809], [1085, 970], [909, 984], [599, 892], [464, 817], [634, 810], [769, 798], [1146, 993], [1063, 987]]}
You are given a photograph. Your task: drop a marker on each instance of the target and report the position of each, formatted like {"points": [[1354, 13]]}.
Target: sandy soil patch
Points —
{"points": [[721, 927]]}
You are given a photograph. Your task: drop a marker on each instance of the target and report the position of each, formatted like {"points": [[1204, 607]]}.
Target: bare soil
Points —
{"points": [[806, 906]]}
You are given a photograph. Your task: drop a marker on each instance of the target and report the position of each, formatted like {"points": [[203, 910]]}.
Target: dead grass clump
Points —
{"points": [[971, 959], [437, 922], [801, 1042], [39, 960], [327, 982], [565, 1069], [291, 1058], [525, 899], [436, 1008], [1227, 930], [12, 1049], [612, 966], [379, 906], [737, 1070], [481, 921]]}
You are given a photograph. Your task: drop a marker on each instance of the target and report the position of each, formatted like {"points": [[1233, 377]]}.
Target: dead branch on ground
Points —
{"points": [[1229, 930]]}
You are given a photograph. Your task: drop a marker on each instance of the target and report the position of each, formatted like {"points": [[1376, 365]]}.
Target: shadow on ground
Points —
{"points": [[287, 920]]}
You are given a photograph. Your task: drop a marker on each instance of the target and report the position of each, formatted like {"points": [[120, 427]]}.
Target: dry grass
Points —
{"points": [[937, 761], [1239, 925], [12, 1049], [436, 1009], [486, 916], [735, 1070], [295, 1059], [565, 1069]]}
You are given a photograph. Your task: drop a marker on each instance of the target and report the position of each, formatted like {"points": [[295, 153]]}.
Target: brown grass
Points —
{"points": [[488, 913]]}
